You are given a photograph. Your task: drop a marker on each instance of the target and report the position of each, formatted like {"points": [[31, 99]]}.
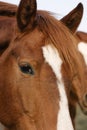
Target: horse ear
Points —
{"points": [[73, 19], [26, 14]]}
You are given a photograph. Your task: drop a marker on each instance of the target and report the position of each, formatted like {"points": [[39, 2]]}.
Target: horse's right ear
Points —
{"points": [[26, 14], [73, 19]]}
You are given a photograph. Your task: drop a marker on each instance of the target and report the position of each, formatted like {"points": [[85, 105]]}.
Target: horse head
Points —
{"points": [[38, 71]]}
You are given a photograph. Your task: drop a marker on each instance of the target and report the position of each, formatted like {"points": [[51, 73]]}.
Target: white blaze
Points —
{"points": [[82, 47], [52, 57]]}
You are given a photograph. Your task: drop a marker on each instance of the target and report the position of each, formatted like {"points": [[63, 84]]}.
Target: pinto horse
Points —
{"points": [[72, 21], [8, 13], [69, 21], [39, 71]]}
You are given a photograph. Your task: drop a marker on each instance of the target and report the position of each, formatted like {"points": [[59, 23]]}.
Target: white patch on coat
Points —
{"points": [[52, 57], [82, 47]]}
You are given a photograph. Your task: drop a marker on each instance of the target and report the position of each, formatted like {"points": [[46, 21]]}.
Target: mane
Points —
{"points": [[57, 34]]}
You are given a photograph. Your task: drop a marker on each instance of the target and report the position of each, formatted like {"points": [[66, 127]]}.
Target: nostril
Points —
{"points": [[85, 100]]}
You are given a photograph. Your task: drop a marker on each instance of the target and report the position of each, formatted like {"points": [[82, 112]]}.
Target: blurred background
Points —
{"points": [[61, 8]]}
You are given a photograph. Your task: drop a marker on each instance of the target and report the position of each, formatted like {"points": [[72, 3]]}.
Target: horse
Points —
{"points": [[7, 24], [72, 20], [39, 71], [72, 23]]}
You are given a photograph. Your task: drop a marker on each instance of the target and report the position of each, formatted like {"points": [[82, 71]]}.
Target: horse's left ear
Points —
{"points": [[26, 14], [73, 19]]}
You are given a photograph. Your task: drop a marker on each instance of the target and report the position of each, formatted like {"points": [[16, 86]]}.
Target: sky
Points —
{"points": [[60, 7]]}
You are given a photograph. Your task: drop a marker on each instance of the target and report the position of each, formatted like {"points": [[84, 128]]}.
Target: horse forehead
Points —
{"points": [[33, 38], [29, 44], [29, 54]]}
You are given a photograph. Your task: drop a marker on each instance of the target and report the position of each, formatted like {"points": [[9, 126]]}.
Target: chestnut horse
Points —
{"points": [[72, 23], [8, 13], [38, 73]]}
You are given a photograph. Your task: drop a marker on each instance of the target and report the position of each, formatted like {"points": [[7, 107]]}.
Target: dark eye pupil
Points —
{"points": [[27, 69]]}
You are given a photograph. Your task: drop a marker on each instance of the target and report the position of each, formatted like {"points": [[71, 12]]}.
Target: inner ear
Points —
{"points": [[73, 19], [26, 14]]}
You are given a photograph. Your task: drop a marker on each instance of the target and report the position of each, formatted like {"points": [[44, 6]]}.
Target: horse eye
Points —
{"points": [[27, 69]]}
